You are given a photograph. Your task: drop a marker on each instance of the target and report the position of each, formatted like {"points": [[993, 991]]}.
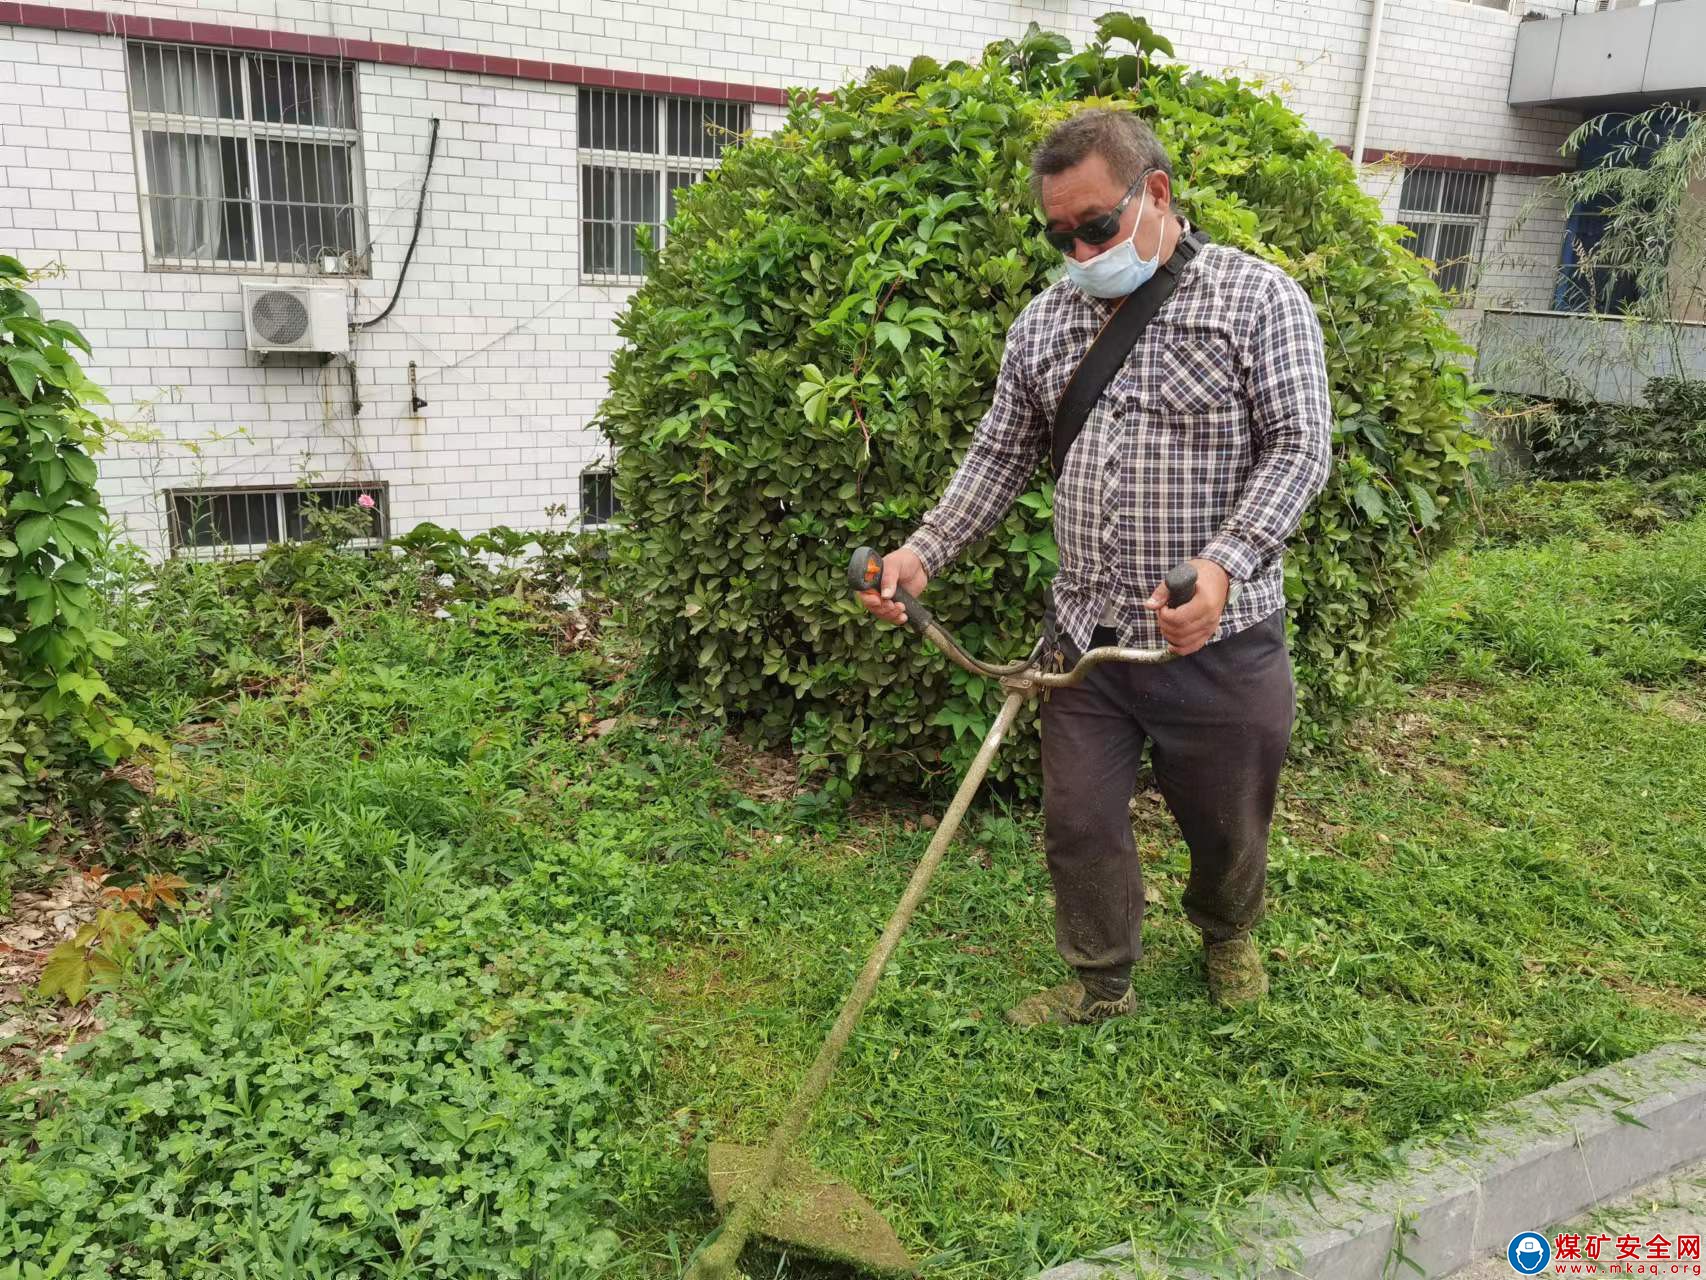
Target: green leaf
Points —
{"points": [[39, 612], [814, 399], [88, 519], [1135, 30], [80, 465], [28, 370], [897, 336], [1368, 498], [922, 68], [72, 334], [66, 973], [32, 535], [1427, 514]]}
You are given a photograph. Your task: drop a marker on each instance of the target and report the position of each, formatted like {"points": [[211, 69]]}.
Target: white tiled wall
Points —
{"points": [[509, 348], [1443, 78]]}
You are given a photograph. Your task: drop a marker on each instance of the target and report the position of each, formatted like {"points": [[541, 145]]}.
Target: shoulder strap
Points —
{"points": [[1113, 344]]}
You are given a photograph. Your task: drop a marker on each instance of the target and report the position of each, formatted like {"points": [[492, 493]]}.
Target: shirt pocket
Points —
{"points": [[1188, 371], [1192, 419], [1193, 375]]}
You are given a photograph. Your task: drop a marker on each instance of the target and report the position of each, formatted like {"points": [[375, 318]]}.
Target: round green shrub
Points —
{"points": [[820, 335]]}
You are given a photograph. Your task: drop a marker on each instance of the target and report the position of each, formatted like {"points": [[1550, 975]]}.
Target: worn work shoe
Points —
{"points": [[1235, 973], [1069, 1005]]}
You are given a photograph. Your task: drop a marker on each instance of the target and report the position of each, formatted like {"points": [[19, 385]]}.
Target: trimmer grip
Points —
{"points": [[865, 573], [864, 570], [1181, 583]]}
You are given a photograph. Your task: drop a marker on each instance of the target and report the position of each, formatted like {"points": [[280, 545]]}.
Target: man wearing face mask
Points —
{"points": [[1208, 443]]}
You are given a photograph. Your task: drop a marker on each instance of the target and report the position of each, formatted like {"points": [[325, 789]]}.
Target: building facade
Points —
{"points": [[208, 178]]}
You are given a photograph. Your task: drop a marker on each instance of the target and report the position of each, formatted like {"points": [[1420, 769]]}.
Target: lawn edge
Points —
{"points": [[1536, 1162]]}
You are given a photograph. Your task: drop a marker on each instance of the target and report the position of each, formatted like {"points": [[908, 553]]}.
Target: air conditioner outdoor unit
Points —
{"points": [[302, 316]]}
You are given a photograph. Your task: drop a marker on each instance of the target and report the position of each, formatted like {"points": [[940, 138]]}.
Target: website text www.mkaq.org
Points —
{"points": [[1623, 1254]]}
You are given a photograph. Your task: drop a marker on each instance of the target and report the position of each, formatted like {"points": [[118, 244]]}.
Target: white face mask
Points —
{"points": [[1115, 272]]}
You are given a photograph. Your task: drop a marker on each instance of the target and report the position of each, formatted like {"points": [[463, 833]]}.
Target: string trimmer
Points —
{"points": [[760, 1188]]}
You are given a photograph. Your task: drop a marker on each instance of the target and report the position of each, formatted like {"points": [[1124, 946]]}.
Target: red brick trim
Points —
{"points": [[55, 18], [1470, 164]]}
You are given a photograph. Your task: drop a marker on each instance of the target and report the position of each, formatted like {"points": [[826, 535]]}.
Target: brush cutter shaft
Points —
{"points": [[718, 1259]]}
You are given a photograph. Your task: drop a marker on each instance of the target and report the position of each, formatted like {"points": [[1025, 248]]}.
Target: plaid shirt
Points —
{"points": [[1210, 441]]}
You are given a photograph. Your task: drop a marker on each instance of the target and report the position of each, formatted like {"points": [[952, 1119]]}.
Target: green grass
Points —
{"points": [[1499, 891], [469, 983]]}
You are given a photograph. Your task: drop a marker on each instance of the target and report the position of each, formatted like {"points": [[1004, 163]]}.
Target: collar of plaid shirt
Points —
{"points": [[1210, 441]]}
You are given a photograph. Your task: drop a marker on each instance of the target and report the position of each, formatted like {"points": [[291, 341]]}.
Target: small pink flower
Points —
{"points": [[364, 502]]}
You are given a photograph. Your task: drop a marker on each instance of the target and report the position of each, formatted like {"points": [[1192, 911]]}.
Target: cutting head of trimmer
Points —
{"points": [[810, 1210]]}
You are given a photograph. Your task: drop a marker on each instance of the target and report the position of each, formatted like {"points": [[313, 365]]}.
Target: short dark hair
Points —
{"points": [[1129, 146]]}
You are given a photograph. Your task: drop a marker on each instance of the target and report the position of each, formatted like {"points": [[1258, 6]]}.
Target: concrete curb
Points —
{"points": [[1539, 1161]]}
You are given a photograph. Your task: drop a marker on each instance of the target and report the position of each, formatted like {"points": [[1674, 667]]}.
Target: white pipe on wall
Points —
{"points": [[1371, 55]]}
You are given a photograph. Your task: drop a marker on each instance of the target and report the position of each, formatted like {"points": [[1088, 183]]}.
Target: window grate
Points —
{"points": [[1447, 211], [246, 160], [247, 519], [598, 497], [637, 151]]}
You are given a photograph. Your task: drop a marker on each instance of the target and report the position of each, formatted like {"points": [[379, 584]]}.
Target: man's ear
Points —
{"points": [[1160, 191]]}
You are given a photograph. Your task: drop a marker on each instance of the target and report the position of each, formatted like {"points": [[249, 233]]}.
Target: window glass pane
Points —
{"points": [[199, 196], [639, 205], [614, 204], [306, 202], [225, 519], [673, 182], [1426, 234], [598, 219], [297, 91], [1421, 191], [618, 121], [187, 82], [1463, 193], [598, 497], [702, 129], [298, 503], [192, 520], [1455, 256]]}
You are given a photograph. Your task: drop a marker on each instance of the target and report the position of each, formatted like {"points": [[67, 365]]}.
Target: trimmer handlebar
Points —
{"points": [[865, 573]]}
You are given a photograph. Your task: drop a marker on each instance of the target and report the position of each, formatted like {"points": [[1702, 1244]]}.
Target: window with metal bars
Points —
{"points": [[598, 496], [1447, 209], [246, 160], [247, 519], [636, 151]]}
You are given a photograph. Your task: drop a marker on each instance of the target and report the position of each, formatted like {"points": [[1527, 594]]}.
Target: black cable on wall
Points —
{"points": [[420, 214]]}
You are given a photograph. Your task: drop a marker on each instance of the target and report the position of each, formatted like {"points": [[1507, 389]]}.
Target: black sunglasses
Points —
{"points": [[1097, 230]]}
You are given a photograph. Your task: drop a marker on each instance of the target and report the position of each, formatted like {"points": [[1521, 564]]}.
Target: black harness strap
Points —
{"points": [[1113, 344]]}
